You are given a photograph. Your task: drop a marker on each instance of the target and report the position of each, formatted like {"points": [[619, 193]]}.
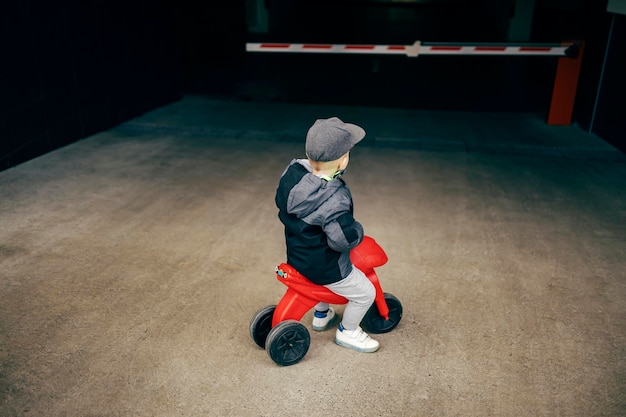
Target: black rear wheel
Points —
{"points": [[261, 324]]}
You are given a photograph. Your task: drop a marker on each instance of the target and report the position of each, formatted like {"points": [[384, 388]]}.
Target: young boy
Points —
{"points": [[315, 205]]}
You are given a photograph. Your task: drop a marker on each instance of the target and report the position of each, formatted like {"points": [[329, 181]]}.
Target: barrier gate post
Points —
{"points": [[564, 89]]}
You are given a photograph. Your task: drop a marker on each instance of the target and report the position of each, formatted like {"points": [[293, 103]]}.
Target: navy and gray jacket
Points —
{"points": [[320, 228]]}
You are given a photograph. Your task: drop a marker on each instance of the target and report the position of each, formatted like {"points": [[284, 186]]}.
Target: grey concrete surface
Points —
{"points": [[131, 263]]}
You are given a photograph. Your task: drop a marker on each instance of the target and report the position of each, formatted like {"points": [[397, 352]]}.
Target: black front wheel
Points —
{"points": [[373, 322], [288, 342]]}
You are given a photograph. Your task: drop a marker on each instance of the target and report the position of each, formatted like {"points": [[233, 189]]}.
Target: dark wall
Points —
{"points": [[212, 37], [610, 109], [73, 68]]}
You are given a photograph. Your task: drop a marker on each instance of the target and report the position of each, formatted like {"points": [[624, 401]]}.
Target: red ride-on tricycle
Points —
{"points": [[277, 328]]}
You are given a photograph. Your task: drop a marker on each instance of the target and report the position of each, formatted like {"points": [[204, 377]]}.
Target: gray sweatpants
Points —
{"points": [[359, 291]]}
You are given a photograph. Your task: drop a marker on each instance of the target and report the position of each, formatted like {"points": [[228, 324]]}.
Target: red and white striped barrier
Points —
{"points": [[565, 83], [418, 48]]}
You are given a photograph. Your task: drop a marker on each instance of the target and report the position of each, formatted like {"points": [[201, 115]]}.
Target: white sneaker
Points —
{"points": [[323, 320], [355, 339]]}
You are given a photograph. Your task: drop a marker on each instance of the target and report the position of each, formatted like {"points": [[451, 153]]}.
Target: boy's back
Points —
{"points": [[320, 228]]}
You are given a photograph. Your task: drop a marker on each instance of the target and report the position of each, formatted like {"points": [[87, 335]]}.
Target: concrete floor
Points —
{"points": [[132, 262]]}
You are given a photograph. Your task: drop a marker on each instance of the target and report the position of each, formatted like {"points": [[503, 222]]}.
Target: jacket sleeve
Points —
{"points": [[343, 232]]}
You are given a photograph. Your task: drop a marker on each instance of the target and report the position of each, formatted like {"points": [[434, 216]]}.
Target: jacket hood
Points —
{"points": [[310, 193]]}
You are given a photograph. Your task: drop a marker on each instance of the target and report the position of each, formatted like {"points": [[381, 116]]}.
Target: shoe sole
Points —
{"points": [[358, 349], [328, 325]]}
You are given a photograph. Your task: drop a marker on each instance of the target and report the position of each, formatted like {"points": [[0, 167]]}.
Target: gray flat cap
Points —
{"points": [[329, 139]]}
